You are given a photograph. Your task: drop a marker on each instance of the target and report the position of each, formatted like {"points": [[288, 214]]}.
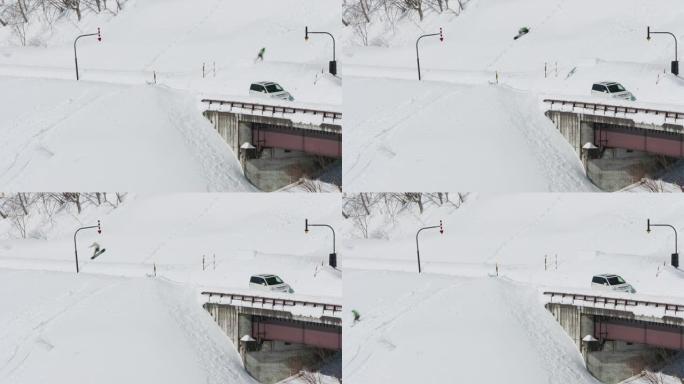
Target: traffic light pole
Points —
{"points": [[441, 230], [99, 38], [441, 38], [99, 230]]}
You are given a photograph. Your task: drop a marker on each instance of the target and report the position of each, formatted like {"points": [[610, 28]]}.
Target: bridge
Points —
{"points": [[607, 125], [274, 318], [618, 318], [312, 131]]}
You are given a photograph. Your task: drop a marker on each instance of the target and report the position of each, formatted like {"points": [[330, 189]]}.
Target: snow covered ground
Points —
{"points": [[459, 309], [434, 329], [478, 109], [61, 328], [115, 130], [115, 322]]}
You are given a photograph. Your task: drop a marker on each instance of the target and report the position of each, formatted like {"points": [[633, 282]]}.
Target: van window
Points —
{"points": [[274, 280], [615, 280], [598, 280], [256, 87], [256, 280], [616, 88], [598, 87]]}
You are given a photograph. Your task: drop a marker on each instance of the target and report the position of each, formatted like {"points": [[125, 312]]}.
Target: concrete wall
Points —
{"points": [[574, 321]]}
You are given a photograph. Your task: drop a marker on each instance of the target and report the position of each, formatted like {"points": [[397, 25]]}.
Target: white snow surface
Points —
{"points": [[462, 121], [237, 235], [115, 322], [62, 135], [61, 328], [412, 325], [458, 307], [586, 233], [114, 129]]}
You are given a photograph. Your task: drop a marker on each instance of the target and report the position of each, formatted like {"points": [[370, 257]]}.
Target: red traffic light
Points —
{"points": [[441, 34], [306, 225], [306, 33], [99, 35], [99, 228], [441, 228]]}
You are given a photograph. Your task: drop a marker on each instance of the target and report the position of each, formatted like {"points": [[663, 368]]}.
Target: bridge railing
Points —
{"points": [[615, 109], [273, 109], [597, 300], [262, 301]]}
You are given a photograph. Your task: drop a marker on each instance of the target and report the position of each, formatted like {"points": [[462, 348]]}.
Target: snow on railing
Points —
{"points": [[636, 306], [615, 110], [272, 110], [294, 306]]}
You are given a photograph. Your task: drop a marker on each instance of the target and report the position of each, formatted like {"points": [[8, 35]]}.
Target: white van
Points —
{"points": [[609, 282]]}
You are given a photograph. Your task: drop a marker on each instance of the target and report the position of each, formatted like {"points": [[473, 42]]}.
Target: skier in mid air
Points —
{"points": [[260, 55]]}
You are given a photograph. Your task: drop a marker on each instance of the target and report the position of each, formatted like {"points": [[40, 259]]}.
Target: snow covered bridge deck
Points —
{"points": [[621, 317], [311, 130], [273, 317], [614, 124]]}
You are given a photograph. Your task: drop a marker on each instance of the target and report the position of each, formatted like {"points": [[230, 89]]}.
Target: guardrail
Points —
{"points": [[615, 109], [615, 301], [274, 109], [272, 301]]}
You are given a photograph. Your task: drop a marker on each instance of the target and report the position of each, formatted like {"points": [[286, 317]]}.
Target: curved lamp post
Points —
{"points": [[332, 66], [99, 230], [332, 260], [441, 38], [99, 38], [441, 230], [675, 256], [674, 67]]}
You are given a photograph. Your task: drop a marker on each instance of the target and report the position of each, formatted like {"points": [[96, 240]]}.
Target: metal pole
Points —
{"points": [[441, 230], [307, 33], [675, 63], [649, 225], [99, 38], [307, 225], [99, 230], [441, 38]]}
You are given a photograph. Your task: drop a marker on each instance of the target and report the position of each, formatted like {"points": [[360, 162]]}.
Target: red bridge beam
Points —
{"points": [[657, 335], [655, 142], [314, 335], [329, 145]]}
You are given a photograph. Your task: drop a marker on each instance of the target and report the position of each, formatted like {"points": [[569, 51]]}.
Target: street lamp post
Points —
{"points": [[441, 230], [332, 260], [674, 67], [441, 38], [675, 256], [332, 66], [99, 38], [99, 230]]}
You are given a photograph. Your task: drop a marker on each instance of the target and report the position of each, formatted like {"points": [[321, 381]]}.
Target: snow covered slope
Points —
{"points": [[488, 330], [57, 134], [478, 111], [586, 233], [237, 235], [61, 328], [432, 136], [175, 38], [63, 135]]}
